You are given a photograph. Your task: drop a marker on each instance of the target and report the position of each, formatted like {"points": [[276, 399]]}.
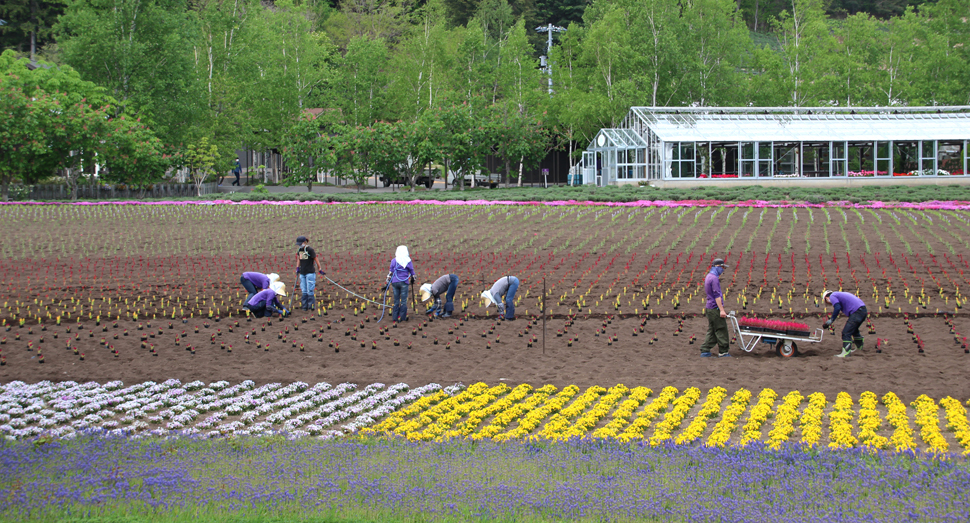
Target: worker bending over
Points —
{"points": [[254, 282], [855, 309], [502, 294], [449, 283], [266, 302]]}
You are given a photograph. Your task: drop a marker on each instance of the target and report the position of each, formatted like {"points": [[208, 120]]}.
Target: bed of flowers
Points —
{"points": [[480, 412], [383, 452]]}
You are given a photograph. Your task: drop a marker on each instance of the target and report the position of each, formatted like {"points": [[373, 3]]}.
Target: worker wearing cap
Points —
{"points": [[266, 301], [306, 259], [717, 331], [855, 309], [400, 274], [449, 283], [502, 294], [254, 282]]}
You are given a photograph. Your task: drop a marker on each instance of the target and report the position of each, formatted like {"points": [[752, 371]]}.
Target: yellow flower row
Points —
{"points": [[673, 419], [758, 416], [621, 416], [513, 406], [429, 416], [840, 423], [927, 418], [468, 413], [535, 417], [397, 417], [902, 438], [785, 419], [501, 413], [710, 408], [869, 422], [811, 420], [591, 417], [560, 421], [646, 416], [729, 421], [956, 421]]}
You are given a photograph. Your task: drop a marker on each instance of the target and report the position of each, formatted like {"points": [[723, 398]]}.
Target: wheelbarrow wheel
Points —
{"points": [[786, 348]]}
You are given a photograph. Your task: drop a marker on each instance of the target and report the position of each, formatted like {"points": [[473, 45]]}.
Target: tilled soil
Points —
{"points": [[502, 355]]}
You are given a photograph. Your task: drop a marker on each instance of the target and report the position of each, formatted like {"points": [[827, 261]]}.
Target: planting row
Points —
{"points": [[590, 259]]}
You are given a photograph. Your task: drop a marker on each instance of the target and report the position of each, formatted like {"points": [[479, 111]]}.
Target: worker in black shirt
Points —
{"points": [[306, 259]]}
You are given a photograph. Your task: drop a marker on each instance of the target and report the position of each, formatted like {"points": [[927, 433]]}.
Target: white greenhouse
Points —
{"points": [[762, 144]]}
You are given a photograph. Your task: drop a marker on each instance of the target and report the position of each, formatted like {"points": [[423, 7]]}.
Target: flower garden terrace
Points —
{"points": [[146, 292]]}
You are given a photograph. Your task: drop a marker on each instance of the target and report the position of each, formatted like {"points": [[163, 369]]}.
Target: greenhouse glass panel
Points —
{"points": [[905, 158], [840, 157], [815, 160], [884, 158], [950, 158], [928, 158]]}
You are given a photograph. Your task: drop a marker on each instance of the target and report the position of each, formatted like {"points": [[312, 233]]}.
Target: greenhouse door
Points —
{"points": [[589, 168]]}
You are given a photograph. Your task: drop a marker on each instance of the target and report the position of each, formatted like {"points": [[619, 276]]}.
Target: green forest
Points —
{"points": [[399, 84]]}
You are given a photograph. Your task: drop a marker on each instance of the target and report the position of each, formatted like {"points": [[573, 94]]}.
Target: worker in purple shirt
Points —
{"points": [[398, 277], [717, 331], [855, 309], [254, 282], [266, 301]]}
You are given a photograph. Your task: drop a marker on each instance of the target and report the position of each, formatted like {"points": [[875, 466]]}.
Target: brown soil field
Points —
{"points": [[625, 267]]}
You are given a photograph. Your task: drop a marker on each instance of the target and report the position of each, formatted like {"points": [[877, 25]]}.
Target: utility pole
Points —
{"points": [[545, 61]]}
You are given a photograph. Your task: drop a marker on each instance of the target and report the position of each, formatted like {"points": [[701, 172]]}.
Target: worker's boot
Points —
{"points": [[449, 308], [303, 301], [846, 349], [311, 302], [857, 343]]}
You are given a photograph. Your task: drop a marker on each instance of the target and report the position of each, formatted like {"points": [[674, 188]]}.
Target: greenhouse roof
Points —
{"points": [[747, 124], [622, 138]]}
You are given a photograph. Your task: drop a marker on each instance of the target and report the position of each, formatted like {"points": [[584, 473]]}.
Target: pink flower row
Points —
{"points": [[935, 204]]}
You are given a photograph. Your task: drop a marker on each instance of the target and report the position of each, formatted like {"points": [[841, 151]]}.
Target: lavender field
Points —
{"points": [[105, 477]]}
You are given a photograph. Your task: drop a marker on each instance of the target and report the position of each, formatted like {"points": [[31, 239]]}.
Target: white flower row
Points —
{"points": [[60, 409]]}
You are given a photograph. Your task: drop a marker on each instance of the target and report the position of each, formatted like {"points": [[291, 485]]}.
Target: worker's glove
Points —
{"points": [[384, 288], [297, 270], [827, 324], [322, 273]]}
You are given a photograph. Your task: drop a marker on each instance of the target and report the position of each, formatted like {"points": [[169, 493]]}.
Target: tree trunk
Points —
{"points": [[446, 174], [521, 158], [507, 172], [6, 191]]}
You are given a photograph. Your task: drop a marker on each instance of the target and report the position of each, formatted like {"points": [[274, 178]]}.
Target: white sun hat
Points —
{"points": [[489, 300], [278, 287], [273, 277], [425, 291]]}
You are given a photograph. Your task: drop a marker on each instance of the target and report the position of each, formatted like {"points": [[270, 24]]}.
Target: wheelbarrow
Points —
{"points": [[785, 344]]}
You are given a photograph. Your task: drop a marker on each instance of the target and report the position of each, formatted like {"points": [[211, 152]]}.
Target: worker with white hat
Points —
{"points": [[266, 302], [254, 282], [399, 276], [853, 307], [502, 294], [449, 283]]}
